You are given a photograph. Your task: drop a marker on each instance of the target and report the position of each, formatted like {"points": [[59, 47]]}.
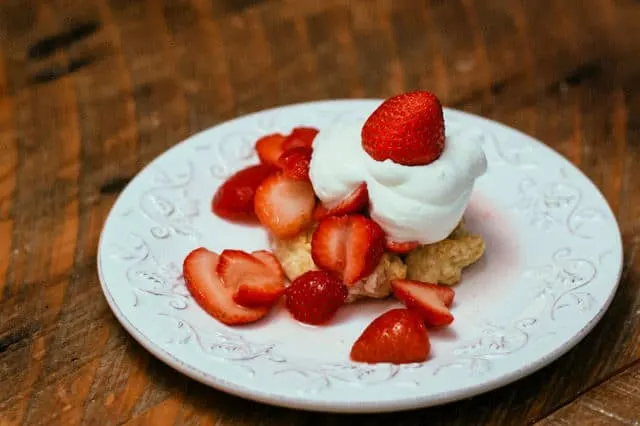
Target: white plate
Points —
{"points": [[551, 268]]}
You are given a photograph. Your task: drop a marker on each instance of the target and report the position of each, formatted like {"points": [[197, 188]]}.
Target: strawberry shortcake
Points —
{"points": [[359, 210]]}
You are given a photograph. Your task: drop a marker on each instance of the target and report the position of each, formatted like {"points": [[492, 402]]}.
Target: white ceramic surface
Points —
{"points": [[551, 268]]}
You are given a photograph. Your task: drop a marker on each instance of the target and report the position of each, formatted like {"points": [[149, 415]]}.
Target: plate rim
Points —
{"points": [[300, 402]]}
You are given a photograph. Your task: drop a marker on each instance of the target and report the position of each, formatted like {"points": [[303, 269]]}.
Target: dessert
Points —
{"points": [[360, 210], [419, 203]]}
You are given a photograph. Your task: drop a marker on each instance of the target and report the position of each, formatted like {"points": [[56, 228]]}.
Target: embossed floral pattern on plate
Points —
{"points": [[564, 264]]}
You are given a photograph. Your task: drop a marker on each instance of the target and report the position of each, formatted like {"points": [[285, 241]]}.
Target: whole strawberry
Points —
{"points": [[407, 129], [315, 297]]}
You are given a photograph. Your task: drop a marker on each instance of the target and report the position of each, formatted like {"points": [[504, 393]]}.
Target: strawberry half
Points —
{"points": [[284, 205], [234, 198], [255, 282], [270, 148], [294, 162], [398, 336], [430, 300], [407, 129], [401, 248], [349, 246], [205, 286], [300, 137], [353, 203], [315, 296]]}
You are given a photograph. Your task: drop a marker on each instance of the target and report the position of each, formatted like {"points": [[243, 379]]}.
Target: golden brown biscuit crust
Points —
{"points": [[443, 262]]}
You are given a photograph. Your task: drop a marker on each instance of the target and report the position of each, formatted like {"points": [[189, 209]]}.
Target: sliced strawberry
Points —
{"points": [[300, 136], [353, 203], [234, 198], [284, 205], [270, 148], [401, 248], [329, 244], [430, 300], [294, 162], [254, 283], [199, 270], [255, 292], [445, 293], [264, 290], [270, 261], [349, 246], [398, 336], [365, 248], [235, 265], [315, 296]]}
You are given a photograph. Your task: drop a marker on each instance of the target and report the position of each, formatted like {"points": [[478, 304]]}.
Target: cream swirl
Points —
{"points": [[411, 203]]}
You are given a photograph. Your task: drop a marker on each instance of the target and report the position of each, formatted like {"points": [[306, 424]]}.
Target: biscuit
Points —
{"points": [[443, 262]]}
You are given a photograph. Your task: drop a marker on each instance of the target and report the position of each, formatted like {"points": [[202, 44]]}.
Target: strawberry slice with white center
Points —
{"points": [[205, 286], [353, 203], [329, 244], [432, 301], [270, 262], [349, 246], [255, 282], [284, 205]]}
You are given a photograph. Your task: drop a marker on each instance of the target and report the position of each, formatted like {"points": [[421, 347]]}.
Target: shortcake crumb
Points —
{"points": [[378, 284], [444, 261], [295, 254]]}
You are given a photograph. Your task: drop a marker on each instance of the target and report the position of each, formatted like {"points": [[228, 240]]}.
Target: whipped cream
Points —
{"points": [[411, 203]]}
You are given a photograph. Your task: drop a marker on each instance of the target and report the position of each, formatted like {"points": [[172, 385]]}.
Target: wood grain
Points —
{"points": [[92, 90], [613, 402]]}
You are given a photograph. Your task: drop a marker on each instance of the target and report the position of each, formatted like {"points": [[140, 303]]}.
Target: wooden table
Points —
{"points": [[92, 90]]}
